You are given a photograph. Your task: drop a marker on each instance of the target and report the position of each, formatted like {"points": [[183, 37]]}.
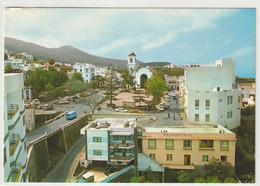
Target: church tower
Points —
{"points": [[131, 63]]}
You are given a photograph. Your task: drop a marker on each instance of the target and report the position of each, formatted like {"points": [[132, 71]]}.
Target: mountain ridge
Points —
{"points": [[66, 53]]}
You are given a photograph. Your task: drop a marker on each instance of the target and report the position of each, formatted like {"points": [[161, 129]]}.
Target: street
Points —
{"points": [[79, 107], [63, 170]]}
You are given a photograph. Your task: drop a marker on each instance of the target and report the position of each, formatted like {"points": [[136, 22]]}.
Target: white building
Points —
{"points": [[110, 141], [247, 91], [100, 71], [211, 95], [86, 70], [171, 66], [14, 129], [142, 74]]}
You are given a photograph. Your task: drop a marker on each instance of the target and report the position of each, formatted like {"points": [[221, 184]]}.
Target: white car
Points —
{"points": [[121, 110], [161, 108]]}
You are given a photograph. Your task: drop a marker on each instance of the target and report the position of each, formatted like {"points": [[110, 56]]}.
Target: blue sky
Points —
{"points": [[179, 36]]}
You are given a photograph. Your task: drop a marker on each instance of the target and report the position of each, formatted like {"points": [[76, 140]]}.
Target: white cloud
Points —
{"points": [[94, 28], [227, 41], [243, 51], [159, 41]]}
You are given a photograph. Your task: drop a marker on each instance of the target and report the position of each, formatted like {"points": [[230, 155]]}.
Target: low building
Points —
{"points": [[86, 70], [110, 141], [189, 147], [14, 149], [247, 91]]}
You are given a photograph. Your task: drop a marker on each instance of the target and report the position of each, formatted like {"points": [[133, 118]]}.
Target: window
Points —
{"points": [[151, 144], [131, 60], [206, 143], [97, 152], [128, 138], [116, 137], [152, 156], [207, 117], [224, 144], [197, 103], [97, 139], [169, 157], [197, 117], [229, 114], [242, 95], [187, 144], [223, 158], [229, 100], [205, 158], [169, 144], [187, 159], [207, 103]]}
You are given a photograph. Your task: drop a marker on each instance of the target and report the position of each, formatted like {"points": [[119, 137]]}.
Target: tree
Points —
{"points": [[139, 98], [140, 179], [75, 86], [34, 58], [9, 69], [6, 56], [128, 79], [91, 101], [51, 61], [230, 180], [213, 179], [200, 180], [155, 86], [77, 76], [111, 84], [220, 169], [99, 81], [183, 177]]}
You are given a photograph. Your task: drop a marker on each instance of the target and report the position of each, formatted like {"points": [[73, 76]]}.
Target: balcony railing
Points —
{"points": [[16, 172], [19, 172], [113, 157], [13, 109], [14, 143], [122, 145]]}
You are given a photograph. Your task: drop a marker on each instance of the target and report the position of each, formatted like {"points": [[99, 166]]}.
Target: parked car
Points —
{"points": [[161, 108], [36, 102], [136, 111], [39, 107], [71, 115], [121, 110], [47, 107], [27, 105]]}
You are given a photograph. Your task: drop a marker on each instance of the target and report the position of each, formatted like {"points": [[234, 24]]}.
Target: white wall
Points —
{"points": [[97, 145]]}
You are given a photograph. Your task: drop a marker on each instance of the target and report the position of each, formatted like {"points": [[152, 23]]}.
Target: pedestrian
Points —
{"points": [[174, 116], [169, 115]]}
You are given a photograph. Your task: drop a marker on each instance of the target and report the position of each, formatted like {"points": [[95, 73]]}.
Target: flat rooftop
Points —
{"points": [[108, 123], [189, 129]]}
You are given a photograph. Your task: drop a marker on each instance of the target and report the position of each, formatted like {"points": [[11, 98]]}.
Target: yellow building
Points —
{"points": [[190, 146]]}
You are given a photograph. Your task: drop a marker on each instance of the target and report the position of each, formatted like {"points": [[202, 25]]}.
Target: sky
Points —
{"points": [[178, 36]]}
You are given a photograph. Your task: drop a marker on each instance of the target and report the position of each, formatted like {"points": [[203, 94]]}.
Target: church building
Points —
{"points": [[141, 74]]}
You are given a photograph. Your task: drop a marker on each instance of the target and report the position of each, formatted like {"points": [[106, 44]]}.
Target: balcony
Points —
{"points": [[121, 145], [14, 143], [13, 109], [16, 173], [121, 158]]}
